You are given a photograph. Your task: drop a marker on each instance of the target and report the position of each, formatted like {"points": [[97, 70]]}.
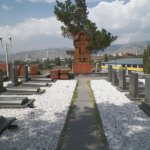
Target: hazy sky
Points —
{"points": [[33, 25]]}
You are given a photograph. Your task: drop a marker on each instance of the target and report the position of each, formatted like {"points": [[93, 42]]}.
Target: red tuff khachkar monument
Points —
{"points": [[82, 56]]}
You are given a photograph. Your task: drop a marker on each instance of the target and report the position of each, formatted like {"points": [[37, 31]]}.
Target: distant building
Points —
{"points": [[130, 64], [28, 58]]}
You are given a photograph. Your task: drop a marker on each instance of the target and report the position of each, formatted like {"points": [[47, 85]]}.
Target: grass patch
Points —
{"points": [[98, 121], [70, 115]]}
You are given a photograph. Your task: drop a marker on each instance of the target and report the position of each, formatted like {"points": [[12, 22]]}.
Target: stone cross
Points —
{"points": [[14, 75], [82, 57], [110, 73], [114, 78], [26, 73], [122, 79], [1, 81], [133, 85]]}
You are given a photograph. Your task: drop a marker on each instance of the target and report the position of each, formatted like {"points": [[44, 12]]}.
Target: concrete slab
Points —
{"points": [[16, 102], [81, 132]]}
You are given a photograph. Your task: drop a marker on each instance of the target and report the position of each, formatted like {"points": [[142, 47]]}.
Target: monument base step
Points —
{"points": [[84, 67], [122, 90], [36, 84], [138, 99], [37, 80], [23, 91]]}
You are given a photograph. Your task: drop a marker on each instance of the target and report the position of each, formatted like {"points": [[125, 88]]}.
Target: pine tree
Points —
{"points": [[105, 57], [74, 17], [146, 60]]}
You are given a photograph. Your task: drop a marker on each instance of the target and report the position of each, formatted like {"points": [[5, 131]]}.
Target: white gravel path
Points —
{"points": [[125, 125], [39, 127]]}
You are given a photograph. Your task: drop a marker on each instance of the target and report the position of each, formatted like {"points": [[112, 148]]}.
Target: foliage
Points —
{"points": [[74, 17], [57, 61], [146, 60], [70, 52], [69, 62], [105, 57], [19, 62]]}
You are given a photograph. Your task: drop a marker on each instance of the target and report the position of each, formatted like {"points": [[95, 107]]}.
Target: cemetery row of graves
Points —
{"points": [[123, 101], [34, 109], [137, 89]]}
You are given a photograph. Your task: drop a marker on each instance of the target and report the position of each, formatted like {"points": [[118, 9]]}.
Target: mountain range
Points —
{"points": [[130, 47], [61, 52]]}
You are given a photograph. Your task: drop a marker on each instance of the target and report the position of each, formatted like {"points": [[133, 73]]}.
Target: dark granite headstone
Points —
{"points": [[133, 85], [147, 89], [14, 76], [122, 79], [146, 104], [110, 73], [26, 73], [1, 81], [114, 78]]}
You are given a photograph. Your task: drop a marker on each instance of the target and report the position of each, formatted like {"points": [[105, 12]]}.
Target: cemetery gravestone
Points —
{"points": [[122, 79], [1, 81], [82, 56], [114, 78], [14, 76], [133, 85], [110, 73], [146, 104], [26, 73]]}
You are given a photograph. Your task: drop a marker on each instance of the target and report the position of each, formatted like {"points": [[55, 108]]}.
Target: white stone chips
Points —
{"points": [[126, 126], [40, 127]]}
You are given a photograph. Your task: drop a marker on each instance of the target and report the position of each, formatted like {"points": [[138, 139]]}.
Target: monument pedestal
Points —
{"points": [[82, 67]]}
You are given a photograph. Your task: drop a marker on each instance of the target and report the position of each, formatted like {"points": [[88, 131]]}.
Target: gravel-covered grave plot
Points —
{"points": [[126, 126], [39, 127]]}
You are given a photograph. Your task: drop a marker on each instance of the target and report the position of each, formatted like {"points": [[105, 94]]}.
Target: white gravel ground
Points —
{"points": [[125, 125], [39, 127]]}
